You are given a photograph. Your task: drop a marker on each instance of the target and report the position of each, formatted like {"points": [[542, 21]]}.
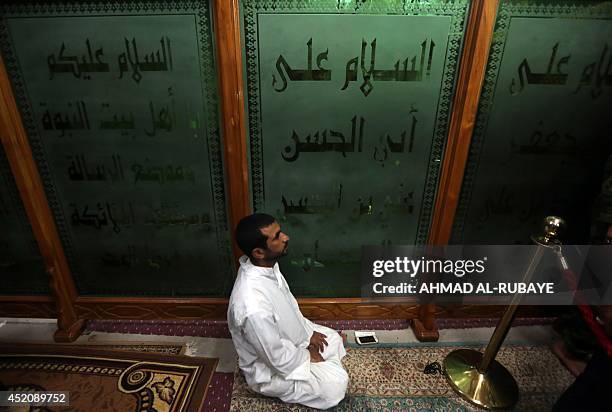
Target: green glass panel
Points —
{"points": [[22, 270], [542, 132], [120, 106], [348, 106]]}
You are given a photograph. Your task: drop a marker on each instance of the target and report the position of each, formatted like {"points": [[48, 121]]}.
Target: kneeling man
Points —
{"points": [[281, 353]]}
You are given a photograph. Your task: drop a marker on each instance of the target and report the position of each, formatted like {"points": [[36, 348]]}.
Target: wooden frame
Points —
{"points": [[72, 309], [479, 32], [465, 107], [229, 56], [29, 184], [312, 308]]}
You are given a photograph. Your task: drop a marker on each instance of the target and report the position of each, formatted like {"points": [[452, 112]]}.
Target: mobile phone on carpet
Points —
{"points": [[365, 338]]}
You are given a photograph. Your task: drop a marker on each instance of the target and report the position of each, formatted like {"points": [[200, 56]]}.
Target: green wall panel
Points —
{"points": [[543, 127], [120, 106], [348, 108], [22, 270]]}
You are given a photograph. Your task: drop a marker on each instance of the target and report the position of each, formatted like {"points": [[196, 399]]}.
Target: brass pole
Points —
{"points": [[504, 324], [478, 377]]}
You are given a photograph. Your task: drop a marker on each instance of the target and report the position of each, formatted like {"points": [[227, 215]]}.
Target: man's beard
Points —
{"points": [[277, 256], [282, 253]]}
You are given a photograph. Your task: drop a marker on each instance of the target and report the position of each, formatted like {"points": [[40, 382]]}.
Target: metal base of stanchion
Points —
{"points": [[492, 390]]}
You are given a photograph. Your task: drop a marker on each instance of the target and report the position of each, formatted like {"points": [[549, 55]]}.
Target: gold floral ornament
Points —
{"points": [[165, 390]]}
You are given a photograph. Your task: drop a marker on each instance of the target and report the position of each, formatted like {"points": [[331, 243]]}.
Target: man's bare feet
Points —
{"points": [[343, 338]]}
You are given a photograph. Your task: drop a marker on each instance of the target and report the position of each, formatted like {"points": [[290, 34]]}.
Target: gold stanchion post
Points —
{"points": [[478, 377]]}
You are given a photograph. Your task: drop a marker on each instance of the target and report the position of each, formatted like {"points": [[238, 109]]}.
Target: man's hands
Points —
{"points": [[317, 345], [318, 341], [315, 356]]}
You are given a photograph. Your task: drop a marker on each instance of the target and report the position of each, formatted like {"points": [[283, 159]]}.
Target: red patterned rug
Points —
{"points": [[218, 328]]}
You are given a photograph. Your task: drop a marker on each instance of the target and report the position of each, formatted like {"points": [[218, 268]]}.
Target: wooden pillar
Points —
{"points": [[229, 65], [29, 184], [479, 33]]}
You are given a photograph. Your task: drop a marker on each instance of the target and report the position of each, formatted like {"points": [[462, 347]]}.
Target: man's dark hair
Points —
{"points": [[248, 232]]}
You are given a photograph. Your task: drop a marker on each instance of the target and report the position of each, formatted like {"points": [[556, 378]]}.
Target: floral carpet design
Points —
{"points": [[392, 379], [109, 380]]}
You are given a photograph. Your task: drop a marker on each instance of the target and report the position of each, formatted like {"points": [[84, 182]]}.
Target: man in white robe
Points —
{"points": [[281, 353]]}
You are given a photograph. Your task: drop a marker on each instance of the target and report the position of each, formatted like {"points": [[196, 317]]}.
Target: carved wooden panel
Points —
{"points": [[181, 309], [480, 311], [217, 309], [316, 309], [27, 307]]}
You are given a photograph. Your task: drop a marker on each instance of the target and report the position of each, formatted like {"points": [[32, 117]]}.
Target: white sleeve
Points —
{"points": [[286, 359]]}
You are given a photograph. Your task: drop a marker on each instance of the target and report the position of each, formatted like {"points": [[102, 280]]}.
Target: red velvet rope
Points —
{"points": [[587, 314]]}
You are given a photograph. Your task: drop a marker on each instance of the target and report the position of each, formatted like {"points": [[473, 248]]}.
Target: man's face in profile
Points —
{"points": [[276, 240]]}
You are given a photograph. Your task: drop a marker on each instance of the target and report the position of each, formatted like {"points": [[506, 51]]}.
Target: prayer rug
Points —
{"points": [[391, 378], [107, 380]]}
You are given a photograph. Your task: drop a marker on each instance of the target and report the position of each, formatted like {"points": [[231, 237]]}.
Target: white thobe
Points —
{"points": [[271, 335]]}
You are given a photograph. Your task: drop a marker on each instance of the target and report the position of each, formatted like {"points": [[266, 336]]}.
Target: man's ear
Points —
{"points": [[258, 253]]}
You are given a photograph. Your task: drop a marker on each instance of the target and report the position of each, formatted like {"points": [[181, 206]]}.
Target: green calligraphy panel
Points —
{"points": [[22, 270], [348, 107], [543, 128], [120, 106]]}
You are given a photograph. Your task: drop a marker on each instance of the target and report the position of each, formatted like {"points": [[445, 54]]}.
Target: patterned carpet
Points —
{"points": [[218, 328], [219, 393], [391, 379], [108, 380], [218, 397]]}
